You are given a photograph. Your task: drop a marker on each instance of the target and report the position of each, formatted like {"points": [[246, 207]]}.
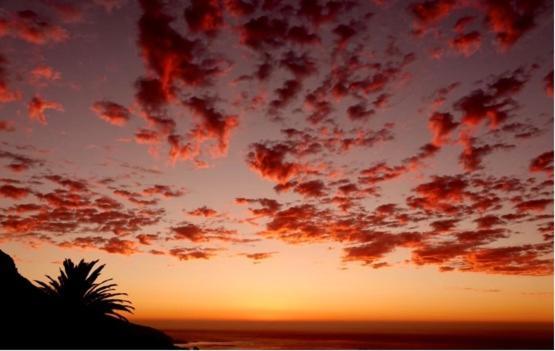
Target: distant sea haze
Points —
{"points": [[358, 335]]}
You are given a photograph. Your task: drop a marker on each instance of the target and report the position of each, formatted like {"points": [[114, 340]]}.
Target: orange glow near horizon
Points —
{"points": [[280, 290]]}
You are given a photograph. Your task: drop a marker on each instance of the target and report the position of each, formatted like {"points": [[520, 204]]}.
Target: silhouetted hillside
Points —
{"points": [[30, 319]]}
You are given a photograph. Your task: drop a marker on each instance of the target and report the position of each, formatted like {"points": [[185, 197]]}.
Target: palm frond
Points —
{"points": [[78, 289]]}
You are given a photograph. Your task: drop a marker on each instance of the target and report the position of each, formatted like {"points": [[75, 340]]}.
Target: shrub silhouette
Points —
{"points": [[76, 289]]}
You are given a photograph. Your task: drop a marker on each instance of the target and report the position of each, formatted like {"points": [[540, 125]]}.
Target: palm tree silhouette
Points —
{"points": [[77, 290]]}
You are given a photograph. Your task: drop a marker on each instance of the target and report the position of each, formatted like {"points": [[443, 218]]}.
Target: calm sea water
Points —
{"points": [[358, 335]]}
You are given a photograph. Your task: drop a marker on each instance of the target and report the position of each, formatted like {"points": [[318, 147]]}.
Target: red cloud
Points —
{"points": [[110, 5], [204, 16], [190, 232], [492, 104], [462, 23], [6, 94], [163, 190], [269, 162], [203, 212], [428, 13], [60, 198], [380, 245], [344, 33], [467, 44], [488, 221], [441, 125], [185, 254], [120, 246], [444, 225], [313, 188], [359, 112], [533, 205], [37, 106], [301, 35], [84, 242], [213, 123], [441, 194], [521, 130], [472, 155], [172, 57], [440, 253], [24, 208], [258, 256], [146, 136], [381, 100], [78, 209], [106, 203], [42, 73], [269, 206], [147, 239], [317, 104], [263, 32], [111, 112], [240, 8], [29, 26], [67, 12], [319, 12], [380, 172], [73, 185], [543, 163], [13, 192], [509, 20], [6, 126], [285, 94], [303, 223], [548, 83], [152, 97], [440, 95], [523, 260], [300, 65], [135, 198], [19, 162]]}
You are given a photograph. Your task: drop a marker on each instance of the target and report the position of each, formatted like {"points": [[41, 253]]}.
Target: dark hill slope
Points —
{"points": [[29, 319]]}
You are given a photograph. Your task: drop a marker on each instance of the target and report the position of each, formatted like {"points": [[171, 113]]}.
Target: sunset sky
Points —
{"points": [[285, 160]]}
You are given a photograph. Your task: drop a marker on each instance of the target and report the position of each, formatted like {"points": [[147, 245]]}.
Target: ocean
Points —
{"points": [[209, 335]]}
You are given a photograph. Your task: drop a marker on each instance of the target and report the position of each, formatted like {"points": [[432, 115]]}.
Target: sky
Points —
{"points": [[285, 160]]}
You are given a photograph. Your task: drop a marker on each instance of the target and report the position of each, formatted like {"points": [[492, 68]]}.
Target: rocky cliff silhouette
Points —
{"points": [[31, 320]]}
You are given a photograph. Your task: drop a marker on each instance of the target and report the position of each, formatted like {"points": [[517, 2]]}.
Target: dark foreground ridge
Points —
{"points": [[30, 319]]}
